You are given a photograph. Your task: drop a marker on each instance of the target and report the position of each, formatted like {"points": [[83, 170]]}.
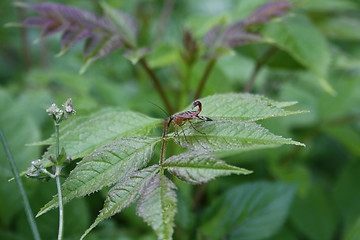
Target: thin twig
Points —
{"points": [[157, 85], [204, 78], [27, 207], [264, 58]]}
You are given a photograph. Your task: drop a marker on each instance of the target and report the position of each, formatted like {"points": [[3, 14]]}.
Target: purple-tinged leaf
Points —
{"points": [[220, 38], [67, 14], [73, 35], [35, 22], [214, 36], [266, 12], [157, 206], [53, 26], [238, 37], [98, 46]]}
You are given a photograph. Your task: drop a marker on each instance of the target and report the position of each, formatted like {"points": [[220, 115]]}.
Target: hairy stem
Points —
{"points": [[263, 59], [58, 183], [157, 84], [26, 203], [204, 78], [163, 143]]}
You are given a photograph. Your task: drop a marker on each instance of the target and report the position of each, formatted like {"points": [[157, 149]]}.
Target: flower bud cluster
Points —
{"points": [[61, 114]]}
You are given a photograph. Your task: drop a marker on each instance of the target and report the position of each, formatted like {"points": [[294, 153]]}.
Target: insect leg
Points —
{"points": [[195, 128]]}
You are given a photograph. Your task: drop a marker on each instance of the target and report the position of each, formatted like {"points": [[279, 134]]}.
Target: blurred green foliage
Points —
{"points": [[317, 64]]}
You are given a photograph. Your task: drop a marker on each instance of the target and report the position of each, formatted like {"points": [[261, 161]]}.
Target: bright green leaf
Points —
{"points": [[298, 36], [157, 206], [105, 166], [199, 167], [250, 211], [95, 132], [243, 106], [126, 192], [71, 124], [227, 134]]}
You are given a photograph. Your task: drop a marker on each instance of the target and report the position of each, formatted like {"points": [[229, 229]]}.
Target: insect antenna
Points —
{"points": [[167, 114]]}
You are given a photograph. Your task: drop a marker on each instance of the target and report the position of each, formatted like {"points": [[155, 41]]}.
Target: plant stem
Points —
{"points": [[163, 143], [263, 59], [61, 206], [58, 182], [204, 78], [157, 84], [26, 203]]}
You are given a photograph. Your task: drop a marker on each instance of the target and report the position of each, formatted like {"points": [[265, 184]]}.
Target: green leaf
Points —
{"points": [[321, 223], [227, 134], [134, 55], [98, 46], [105, 166], [342, 27], [123, 194], [125, 24], [243, 106], [298, 36], [157, 206], [19, 129], [354, 232], [70, 125], [95, 132], [250, 211], [199, 167]]}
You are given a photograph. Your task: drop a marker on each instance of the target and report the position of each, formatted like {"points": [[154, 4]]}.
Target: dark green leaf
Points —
{"points": [[304, 42], [126, 192], [95, 132], [157, 206], [243, 106], [250, 211], [227, 134], [105, 166], [199, 167]]}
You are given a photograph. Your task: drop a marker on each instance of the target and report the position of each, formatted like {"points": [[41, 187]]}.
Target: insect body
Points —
{"points": [[181, 118]]}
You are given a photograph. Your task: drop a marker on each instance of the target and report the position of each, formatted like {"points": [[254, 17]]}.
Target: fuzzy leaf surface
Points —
{"points": [[157, 206], [251, 211], [95, 132], [73, 123], [227, 134], [105, 166], [123, 194], [243, 106], [199, 167]]}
